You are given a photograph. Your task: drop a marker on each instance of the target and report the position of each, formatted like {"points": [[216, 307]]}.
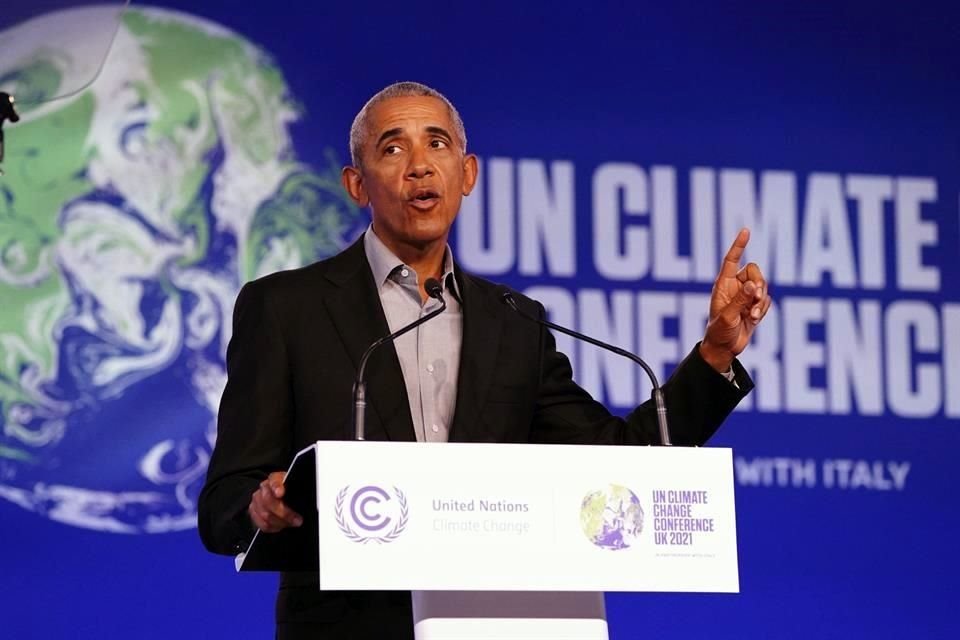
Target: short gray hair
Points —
{"points": [[359, 132]]}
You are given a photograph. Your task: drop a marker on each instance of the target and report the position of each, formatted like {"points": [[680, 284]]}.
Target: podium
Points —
{"points": [[508, 540]]}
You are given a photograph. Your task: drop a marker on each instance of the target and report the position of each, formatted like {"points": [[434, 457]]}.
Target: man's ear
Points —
{"points": [[353, 184], [470, 170]]}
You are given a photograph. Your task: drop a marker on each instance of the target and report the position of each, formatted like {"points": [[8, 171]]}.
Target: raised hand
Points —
{"points": [[738, 303]]}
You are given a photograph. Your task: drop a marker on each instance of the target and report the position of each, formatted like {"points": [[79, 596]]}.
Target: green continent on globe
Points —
{"points": [[132, 213], [591, 514]]}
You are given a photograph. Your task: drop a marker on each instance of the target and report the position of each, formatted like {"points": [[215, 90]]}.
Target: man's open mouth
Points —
{"points": [[424, 198]]}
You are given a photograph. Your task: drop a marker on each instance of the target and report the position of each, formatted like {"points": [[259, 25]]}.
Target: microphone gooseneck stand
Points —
{"points": [[435, 291], [507, 298]]}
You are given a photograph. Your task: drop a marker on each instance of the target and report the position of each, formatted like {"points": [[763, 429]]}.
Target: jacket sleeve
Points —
{"points": [[698, 399], [254, 424]]}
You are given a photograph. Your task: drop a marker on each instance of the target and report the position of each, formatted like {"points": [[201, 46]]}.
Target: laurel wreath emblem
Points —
{"points": [[348, 531]]}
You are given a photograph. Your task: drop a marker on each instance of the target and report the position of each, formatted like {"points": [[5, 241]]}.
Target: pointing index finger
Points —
{"points": [[731, 261]]}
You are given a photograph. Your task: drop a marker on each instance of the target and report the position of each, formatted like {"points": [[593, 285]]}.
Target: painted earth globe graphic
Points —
{"points": [[612, 518], [130, 215]]}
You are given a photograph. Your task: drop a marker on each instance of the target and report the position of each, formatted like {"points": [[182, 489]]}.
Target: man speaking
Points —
{"points": [[476, 373]]}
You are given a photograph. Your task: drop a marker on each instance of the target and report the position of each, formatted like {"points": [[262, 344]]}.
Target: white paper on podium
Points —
{"points": [[525, 517]]}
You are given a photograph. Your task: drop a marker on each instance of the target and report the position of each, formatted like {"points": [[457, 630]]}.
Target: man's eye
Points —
{"points": [[438, 144], [391, 150]]}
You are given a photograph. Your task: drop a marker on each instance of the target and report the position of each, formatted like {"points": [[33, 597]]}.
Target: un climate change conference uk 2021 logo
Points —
{"points": [[612, 518], [371, 514]]}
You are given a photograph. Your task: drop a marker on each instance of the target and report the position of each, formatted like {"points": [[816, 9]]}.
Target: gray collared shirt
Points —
{"points": [[430, 354]]}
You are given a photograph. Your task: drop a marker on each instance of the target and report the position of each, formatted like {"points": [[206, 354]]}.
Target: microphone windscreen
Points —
{"points": [[6, 108], [505, 296], [433, 288]]}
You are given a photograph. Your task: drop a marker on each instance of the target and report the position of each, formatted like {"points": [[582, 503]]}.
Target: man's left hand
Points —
{"points": [[738, 303]]}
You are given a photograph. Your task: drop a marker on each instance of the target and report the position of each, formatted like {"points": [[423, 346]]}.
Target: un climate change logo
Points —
{"points": [[371, 514], [612, 518]]}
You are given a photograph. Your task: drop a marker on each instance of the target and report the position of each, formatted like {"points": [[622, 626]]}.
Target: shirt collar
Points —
{"points": [[383, 262]]}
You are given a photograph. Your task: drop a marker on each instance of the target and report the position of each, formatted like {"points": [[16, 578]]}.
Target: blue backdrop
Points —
{"points": [[621, 146]]}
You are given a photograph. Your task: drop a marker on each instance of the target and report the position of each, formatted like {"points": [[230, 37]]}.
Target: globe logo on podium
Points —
{"points": [[612, 518]]}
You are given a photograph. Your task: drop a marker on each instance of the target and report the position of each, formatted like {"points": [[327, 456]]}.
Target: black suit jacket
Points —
{"points": [[298, 337]]}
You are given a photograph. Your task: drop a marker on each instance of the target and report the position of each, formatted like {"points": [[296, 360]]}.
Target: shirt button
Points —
{"points": [[430, 368], [435, 428], [404, 272]]}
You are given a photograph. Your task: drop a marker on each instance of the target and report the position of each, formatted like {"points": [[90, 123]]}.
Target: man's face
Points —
{"points": [[413, 173]]}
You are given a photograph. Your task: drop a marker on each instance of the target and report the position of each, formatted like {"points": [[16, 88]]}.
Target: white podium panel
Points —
{"points": [[494, 615], [500, 628], [494, 517]]}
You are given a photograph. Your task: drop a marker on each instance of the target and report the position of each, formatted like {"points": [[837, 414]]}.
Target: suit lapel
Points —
{"points": [[358, 316], [478, 358]]}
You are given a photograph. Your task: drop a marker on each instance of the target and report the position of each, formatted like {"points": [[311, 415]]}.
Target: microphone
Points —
{"points": [[506, 296], [7, 112], [435, 291]]}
